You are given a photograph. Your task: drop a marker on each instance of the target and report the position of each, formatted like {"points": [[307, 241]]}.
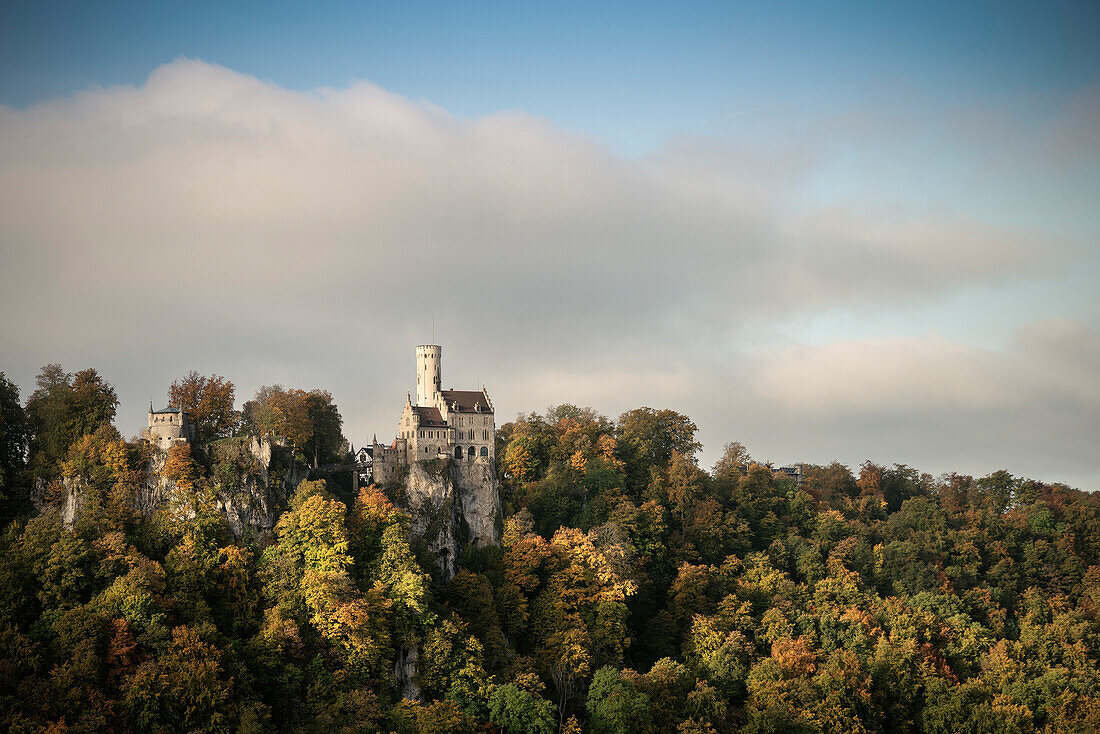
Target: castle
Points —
{"points": [[456, 424], [169, 426]]}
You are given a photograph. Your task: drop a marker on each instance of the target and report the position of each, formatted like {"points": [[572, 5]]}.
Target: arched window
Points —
{"points": [[458, 452], [470, 452], [484, 450]]}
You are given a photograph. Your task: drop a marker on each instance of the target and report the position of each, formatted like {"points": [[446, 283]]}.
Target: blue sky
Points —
{"points": [[858, 230], [629, 73]]}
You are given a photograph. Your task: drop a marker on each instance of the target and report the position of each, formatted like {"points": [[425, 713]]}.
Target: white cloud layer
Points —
{"points": [[209, 220]]}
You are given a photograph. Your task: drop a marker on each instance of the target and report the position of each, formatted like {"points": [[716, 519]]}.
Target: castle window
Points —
{"points": [[458, 452], [471, 434], [485, 434], [484, 450], [470, 453]]}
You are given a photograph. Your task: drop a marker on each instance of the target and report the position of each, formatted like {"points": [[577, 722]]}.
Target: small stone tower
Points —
{"points": [[169, 426], [427, 375]]}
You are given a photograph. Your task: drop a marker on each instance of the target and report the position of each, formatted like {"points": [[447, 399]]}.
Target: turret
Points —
{"points": [[428, 374]]}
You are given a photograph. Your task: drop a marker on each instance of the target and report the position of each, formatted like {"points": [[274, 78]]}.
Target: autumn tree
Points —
{"points": [[209, 403], [108, 472], [452, 666], [308, 421], [310, 564], [185, 690]]}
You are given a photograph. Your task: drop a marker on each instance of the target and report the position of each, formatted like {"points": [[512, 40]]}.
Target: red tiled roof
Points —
{"points": [[469, 401]]}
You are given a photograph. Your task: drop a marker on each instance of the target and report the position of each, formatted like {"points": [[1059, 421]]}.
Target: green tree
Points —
{"points": [[93, 403], [647, 437], [47, 412], [326, 442], [521, 712], [616, 706], [14, 433], [63, 408]]}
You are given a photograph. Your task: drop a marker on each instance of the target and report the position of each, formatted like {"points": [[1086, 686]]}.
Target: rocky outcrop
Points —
{"points": [[480, 496], [452, 504], [405, 674], [252, 481], [248, 489], [65, 494], [253, 499]]}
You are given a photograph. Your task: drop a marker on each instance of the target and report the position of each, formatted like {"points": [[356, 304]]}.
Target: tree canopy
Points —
{"points": [[308, 420], [209, 403], [633, 591]]}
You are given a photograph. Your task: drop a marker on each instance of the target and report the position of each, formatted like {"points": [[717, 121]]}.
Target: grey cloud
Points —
{"points": [[209, 220]]}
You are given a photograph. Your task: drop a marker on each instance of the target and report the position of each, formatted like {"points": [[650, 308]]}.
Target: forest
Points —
{"points": [[633, 592]]}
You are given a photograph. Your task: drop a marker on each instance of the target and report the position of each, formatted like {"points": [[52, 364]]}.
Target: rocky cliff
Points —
{"points": [[452, 504], [252, 483]]}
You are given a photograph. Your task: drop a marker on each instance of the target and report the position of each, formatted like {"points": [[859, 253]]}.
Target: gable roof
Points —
{"points": [[469, 401], [429, 417]]}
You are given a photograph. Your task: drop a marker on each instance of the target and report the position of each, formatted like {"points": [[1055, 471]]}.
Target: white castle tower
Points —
{"points": [[428, 375]]}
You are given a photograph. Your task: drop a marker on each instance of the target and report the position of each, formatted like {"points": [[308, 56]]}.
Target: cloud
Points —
{"points": [[207, 219], [1032, 406], [1048, 362], [237, 191]]}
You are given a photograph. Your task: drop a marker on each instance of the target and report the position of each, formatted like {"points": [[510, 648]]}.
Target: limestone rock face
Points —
{"points": [[431, 502], [405, 672], [64, 494], [254, 507], [451, 504], [480, 495], [251, 506], [156, 489]]}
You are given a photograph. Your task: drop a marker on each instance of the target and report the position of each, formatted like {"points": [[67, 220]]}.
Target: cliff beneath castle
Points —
{"points": [[251, 482], [451, 504]]}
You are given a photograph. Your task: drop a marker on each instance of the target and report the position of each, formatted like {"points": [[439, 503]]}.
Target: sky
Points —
{"points": [[857, 231]]}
